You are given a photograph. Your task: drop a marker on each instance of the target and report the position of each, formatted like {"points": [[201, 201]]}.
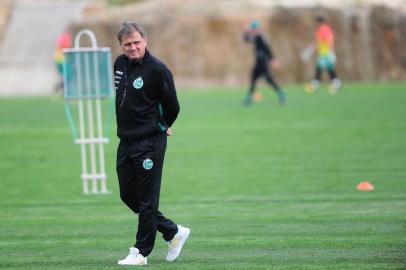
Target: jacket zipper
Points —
{"points": [[125, 87], [126, 82]]}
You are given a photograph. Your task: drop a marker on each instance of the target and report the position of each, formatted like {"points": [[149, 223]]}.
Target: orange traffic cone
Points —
{"points": [[365, 186]]}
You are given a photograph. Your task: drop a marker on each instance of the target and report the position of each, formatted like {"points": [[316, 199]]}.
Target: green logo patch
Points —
{"points": [[147, 164], [138, 83]]}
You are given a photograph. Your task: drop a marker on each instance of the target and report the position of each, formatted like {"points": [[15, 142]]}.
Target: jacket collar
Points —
{"points": [[146, 56]]}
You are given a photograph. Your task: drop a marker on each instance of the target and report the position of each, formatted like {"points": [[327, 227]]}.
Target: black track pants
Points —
{"points": [[318, 72], [261, 69], [140, 187]]}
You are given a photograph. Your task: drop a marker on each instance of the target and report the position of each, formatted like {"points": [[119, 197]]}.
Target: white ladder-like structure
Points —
{"points": [[88, 79]]}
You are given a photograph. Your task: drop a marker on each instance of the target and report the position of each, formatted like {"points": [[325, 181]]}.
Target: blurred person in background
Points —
{"points": [[263, 55], [146, 108], [64, 41], [326, 58]]}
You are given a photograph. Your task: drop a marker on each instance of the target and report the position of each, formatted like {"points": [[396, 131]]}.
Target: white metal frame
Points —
{"points": [[94, 136]]}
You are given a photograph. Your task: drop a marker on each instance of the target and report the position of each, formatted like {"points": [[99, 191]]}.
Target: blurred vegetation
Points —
{"points": [[122, 2]]}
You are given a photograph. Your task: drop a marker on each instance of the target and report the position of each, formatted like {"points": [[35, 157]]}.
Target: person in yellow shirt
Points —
{"points": [[326, 58]]}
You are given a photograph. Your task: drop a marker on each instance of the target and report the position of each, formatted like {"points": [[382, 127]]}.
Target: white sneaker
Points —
{"points": [[133, 258], [335, 86], [176, 244]]}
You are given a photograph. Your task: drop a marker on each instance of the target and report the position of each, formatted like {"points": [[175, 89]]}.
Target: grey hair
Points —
{"points": [[128, 28]]}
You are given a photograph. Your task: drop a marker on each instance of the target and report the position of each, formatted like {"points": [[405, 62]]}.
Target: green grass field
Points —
{"points": [[263, 187]]}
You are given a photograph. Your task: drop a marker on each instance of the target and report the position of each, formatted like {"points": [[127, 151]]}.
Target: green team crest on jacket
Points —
{"points": [[138, 83]]}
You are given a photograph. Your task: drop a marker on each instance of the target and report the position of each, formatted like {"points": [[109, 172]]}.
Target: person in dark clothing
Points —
{"points": [[146, 108], [263, 55]]}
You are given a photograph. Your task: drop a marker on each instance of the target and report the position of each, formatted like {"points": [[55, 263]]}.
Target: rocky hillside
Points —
{"points": [[201, 40]]}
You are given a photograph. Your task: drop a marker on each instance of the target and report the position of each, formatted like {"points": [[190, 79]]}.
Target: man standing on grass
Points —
{"points": [[263, 55], [146, 108]]}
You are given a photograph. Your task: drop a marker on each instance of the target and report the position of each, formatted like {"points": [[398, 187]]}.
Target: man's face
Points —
{"points": [[133, 46]]}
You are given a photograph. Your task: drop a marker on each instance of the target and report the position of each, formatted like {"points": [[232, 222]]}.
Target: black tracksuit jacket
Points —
{"points": [[263, 51], [146, 101]]}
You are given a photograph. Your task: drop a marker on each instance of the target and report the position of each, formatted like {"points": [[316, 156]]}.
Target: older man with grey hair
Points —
{"points": [[146, 108]]}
